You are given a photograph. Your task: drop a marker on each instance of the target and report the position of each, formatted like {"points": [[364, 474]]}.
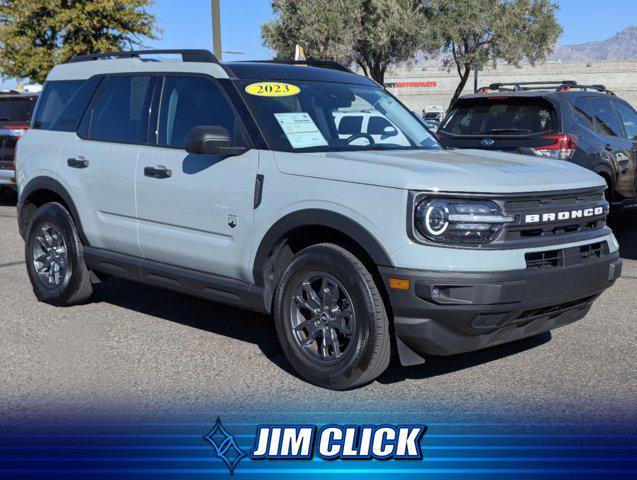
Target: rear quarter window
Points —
{"points": [[506, 116], [605, 117], [583, 113], [63, 103]]}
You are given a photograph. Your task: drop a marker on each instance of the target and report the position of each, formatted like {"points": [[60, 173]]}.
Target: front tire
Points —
{"points": [[331, 320], [53, 254]]}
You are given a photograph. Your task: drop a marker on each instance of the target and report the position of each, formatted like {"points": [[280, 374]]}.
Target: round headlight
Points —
{"points": [[436, 219], [459, 221]]}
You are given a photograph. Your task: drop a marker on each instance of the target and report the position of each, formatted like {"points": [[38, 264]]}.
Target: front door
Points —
{"points": [[195, 211]]}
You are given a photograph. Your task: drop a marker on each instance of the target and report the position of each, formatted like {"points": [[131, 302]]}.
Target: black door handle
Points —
{"points": [[157, 172], [77, 162], [609, 147]]}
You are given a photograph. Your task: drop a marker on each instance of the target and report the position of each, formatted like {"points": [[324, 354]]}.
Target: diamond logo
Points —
{"points": [[225, 446]]}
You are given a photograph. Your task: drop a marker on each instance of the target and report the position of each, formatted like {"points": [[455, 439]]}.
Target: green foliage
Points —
{"points": [[484, 31], [37, 35], [371, 33]]}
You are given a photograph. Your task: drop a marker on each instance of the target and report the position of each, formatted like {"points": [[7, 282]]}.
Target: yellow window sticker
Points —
{"points": [[272, 89]]}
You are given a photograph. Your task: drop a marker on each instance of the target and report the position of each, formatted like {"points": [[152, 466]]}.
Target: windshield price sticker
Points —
{"points": [[300, 130], [272, 89]]}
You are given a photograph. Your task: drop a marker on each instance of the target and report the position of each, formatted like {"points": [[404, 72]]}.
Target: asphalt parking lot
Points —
{"points": [[137, 351]]}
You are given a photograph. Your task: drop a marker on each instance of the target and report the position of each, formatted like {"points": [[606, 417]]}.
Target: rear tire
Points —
{"points": [[331, 320], [53, 254]]}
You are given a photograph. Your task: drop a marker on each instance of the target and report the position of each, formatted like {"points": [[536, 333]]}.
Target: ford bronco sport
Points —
{"points": [[231, 182]]}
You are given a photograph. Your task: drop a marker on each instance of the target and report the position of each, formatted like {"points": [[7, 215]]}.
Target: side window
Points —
{"points": [[628, 118], [377, 125], [54, 98], [69, 118], [350, 125], [607, 122], [583, 113], [121, 111], [191, 101]]}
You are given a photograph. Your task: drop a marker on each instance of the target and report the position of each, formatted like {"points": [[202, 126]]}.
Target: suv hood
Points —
{"points": [[466, 171]]}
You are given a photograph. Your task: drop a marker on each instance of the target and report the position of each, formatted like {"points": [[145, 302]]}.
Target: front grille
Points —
{"points": [[490, 321], [553, 311], [571, 206], [542, 260], [566, 256]]}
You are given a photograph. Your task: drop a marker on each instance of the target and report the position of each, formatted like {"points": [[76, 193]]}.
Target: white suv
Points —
{"points": [[232, 182]]}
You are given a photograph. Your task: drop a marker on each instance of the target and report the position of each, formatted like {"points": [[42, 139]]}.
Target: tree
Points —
{"points": [[481, 32], [36, 35], [371, 33]]}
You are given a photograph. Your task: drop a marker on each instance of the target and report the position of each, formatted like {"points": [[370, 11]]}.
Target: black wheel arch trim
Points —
{"points": [[48, 183], [316, 218]]}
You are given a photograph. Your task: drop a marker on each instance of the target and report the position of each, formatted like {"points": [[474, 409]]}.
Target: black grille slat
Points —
{"points": [[567, 256]]}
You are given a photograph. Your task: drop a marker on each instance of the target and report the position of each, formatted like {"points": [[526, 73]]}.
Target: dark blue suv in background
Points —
{"points": [[584, 124]]}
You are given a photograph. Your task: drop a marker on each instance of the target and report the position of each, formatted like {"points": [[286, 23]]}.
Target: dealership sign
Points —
{"points": [[425, 84], [329, 442]]}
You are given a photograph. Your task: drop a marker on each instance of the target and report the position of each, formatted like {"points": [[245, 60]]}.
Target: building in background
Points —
{"points": [[423, 85]]}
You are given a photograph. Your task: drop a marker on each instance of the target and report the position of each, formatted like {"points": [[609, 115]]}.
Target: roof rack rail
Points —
{"points": [[310, 63], [203, 56], [559, 86]]}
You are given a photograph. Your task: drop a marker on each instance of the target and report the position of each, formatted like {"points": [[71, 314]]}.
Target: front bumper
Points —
{"points": [[445, 313]]}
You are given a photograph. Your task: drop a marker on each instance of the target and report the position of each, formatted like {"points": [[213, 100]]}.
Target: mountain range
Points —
{"points": [[621, 46]]}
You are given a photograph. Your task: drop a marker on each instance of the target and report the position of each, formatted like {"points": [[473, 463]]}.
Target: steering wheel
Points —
{"points": [[356, 136]]}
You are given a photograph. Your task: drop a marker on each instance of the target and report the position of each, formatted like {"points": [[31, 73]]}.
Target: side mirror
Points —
{"points": [[211, 140], [390, 131]]}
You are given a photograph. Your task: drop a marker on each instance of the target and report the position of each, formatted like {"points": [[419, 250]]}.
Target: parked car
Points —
{"points": [[432, 125], [234, 182], [584, 124], [15, 115], [434, 113]]}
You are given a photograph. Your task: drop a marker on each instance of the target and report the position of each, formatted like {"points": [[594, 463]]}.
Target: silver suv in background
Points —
{"points": [[235, 182]]}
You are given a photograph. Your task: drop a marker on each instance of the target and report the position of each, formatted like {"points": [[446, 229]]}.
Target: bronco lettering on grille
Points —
{"points": [[566, 215]]}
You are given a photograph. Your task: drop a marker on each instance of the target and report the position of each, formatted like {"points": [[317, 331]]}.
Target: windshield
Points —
{"points": [[323, 116]]}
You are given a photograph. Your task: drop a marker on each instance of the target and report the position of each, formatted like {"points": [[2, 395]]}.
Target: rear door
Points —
{"points": [[628, 117], [195, 211], [505, 123], [614, 148], [99, 163]]}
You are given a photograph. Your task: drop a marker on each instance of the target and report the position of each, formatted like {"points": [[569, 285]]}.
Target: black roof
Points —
{"points": [[318, 70], [282, 71]]}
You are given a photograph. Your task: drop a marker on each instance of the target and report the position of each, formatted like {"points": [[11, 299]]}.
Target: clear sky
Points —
{"points": [[187, 24]]}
